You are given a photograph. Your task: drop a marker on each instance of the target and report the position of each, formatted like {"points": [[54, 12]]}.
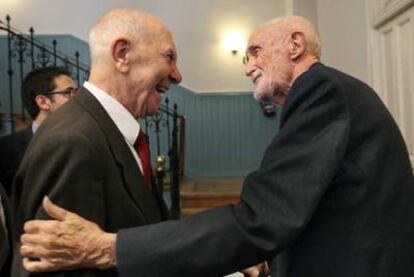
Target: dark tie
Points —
{"points": [[142, 147]]}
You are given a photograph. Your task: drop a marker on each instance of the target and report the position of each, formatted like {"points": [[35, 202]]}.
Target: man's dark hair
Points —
{"points": [[38, 81]]}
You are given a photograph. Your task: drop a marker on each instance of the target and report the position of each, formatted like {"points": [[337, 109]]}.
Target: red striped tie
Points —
{"points": [[142, 147]]}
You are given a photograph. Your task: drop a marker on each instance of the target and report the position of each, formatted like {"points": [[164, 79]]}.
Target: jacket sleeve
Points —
{"points": [[276, 204]]}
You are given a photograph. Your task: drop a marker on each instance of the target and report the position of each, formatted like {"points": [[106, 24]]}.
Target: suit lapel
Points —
{"points": [[133, 180]]}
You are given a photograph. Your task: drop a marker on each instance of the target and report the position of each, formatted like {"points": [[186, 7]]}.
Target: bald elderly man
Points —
{"points": [[333, 196], [85, 156]]}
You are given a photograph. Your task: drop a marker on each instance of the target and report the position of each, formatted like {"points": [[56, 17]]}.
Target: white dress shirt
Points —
{"points": [[34, 127], [123, 119]]}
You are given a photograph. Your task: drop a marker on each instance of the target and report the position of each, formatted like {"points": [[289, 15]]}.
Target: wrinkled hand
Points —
{"points": [[257, 270], [68, 242]]}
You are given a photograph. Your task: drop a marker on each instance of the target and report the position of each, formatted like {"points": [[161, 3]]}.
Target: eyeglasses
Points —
{"points": [[69, 92]]}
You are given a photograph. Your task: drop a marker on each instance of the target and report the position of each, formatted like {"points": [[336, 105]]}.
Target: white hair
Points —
{"points": [[117, 23], [299, 24]]}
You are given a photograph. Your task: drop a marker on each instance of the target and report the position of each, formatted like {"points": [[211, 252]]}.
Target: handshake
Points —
{"points": [[69, 241]]}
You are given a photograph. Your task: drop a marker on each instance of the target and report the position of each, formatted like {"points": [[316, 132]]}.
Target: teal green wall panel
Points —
{"points": [[226, 135]]}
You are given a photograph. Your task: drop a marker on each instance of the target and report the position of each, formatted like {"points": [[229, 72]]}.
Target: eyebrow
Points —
{"points": [[171, 52], [251, 48]]}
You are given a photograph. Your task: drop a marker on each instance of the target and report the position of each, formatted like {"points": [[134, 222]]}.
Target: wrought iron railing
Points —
{"points": [[30, 54], [166, 128], [174, 124]]}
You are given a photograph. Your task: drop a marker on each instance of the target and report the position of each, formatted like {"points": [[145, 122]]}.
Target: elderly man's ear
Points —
{"points": [[297, 45], [120, 54]]}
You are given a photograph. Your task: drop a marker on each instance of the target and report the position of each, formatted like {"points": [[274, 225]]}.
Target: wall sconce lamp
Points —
{"points": [[234, 42]]}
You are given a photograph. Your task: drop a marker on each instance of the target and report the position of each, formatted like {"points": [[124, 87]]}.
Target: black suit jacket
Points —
{"points": [[5, 235], [12, 148], [81, 160], [333, 197]]}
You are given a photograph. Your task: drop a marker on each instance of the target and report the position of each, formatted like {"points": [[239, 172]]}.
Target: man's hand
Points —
{"points": [[257, 270], [68, 242]]}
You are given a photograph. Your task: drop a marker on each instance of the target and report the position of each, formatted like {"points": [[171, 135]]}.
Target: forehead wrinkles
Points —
{"points": [[266, 34], [265, 40], [163, 41], [256, 37], [153, 39], [148, 31]]}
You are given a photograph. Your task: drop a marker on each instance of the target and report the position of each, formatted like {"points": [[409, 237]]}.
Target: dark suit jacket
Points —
{"points": [[5, 235], [333, 197], [81, 160], [12, 148]]}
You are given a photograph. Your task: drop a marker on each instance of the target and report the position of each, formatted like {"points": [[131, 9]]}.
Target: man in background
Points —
{"points": [[44, 90], [90, 156], [333, 196]]}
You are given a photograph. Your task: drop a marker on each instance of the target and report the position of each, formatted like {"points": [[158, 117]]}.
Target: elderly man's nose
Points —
{"points": [[175, 75], [248, 68]]}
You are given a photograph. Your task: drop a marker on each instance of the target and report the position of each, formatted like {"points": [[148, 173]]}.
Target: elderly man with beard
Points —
{"points": [[333, 196]]}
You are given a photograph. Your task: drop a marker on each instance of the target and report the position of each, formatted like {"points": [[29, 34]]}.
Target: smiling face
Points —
{"points": [[134, 59], [153, 70], [269, 66]]}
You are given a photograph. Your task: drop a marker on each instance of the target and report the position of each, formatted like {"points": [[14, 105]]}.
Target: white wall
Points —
{"points": [[342, 25], [343, 28], [197, 26], [307, 9]]}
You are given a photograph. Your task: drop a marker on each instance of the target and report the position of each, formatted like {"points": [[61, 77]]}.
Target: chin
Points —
{"points": [[272, 92], [263, 95]]}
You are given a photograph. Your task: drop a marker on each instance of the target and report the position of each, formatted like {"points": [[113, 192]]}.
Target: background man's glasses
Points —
{"points": [[69, 92]]}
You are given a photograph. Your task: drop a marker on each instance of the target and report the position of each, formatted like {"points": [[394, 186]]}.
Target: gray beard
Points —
{"points": [[263, 98]]}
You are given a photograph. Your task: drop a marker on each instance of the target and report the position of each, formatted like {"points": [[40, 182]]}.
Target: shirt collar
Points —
{"points": [[123, 119], [34, 127]]}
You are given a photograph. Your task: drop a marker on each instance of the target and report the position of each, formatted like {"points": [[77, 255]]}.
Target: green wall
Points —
{"points": [[226, 135]]}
